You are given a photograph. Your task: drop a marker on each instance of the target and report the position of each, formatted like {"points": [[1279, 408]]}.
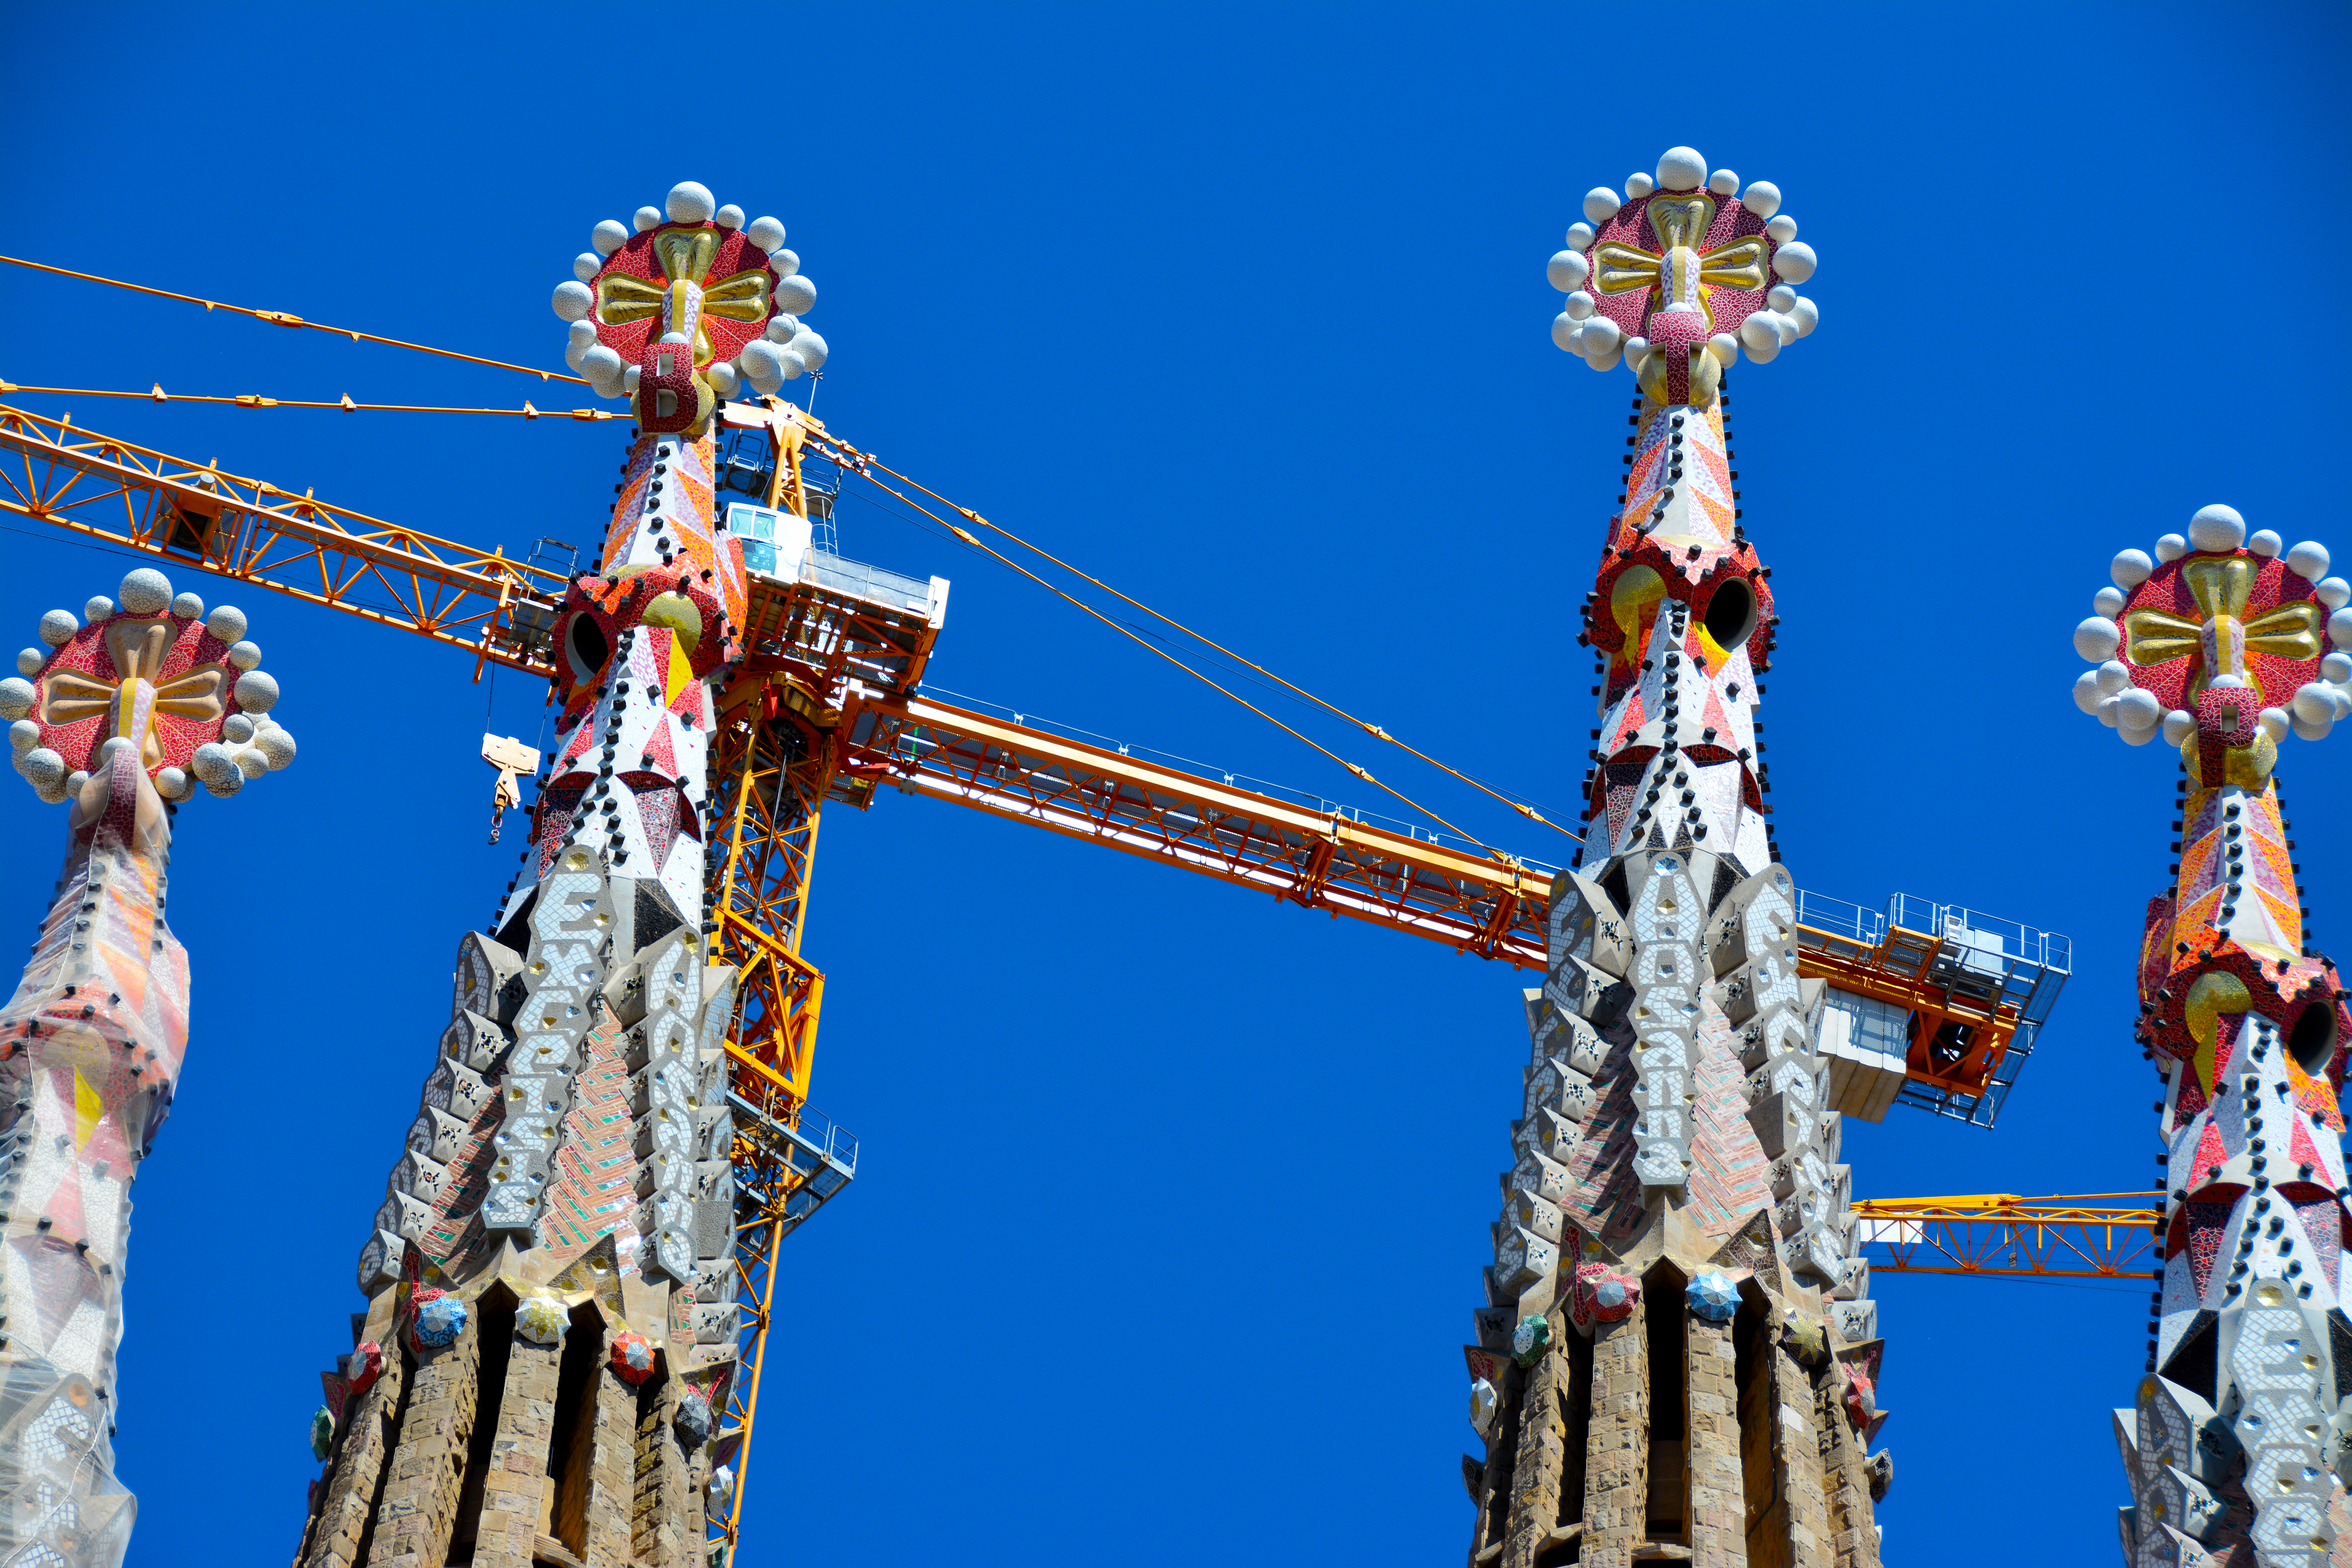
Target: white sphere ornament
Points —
{"points": [[572, 299], [601, 364], [1579, 305], [276, 745], [2171, 547], [227, 784], [2312, 729], [1760, 329], [171, 783], [1600, 336], [251, 763], [1565, 330], [2178, 725], [24, 735], [237, 729], [145, 592], [2312, 703], [2333, 592], [98, 608], [1723, 182], [2107, 602], [582, 335], [2108, 709], [30, 662], [814, 350], [573, 354], [689, 201], [246, 655], [2276, 721], [2337, 667], [43, 769], [2266, 542], [1781, 229], [1600, 205], [609, 237], [1762, 197], [257, 692], [227, 623], [1794, 261], [1567, 270], [645, 219], [786, 261], [1637, 350], [1781, 297], [780, 328], [759, 366], [2130, 568], [57, 625], [586, 264], [630, 378], [1605, 362], [16, 698], [2216, 529], [2113, 676], [794, 366], [2307, 561], [1580, 236], [2138, 737], [2339, 628], [1639, 186], [724, 381], [766, 233], [1681, 169], [2087, 695], [1724, 348], [795, 294], [728, 216], [189, 606], [1807, 315], [2139, 709], [1766, 353], [2097, 638]]}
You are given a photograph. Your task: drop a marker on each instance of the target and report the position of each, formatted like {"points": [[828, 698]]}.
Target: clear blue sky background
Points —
{"points": [[1173, 1198]]}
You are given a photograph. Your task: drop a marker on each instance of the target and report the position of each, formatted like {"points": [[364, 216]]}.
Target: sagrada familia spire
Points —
{"points": [[119, 716], [551, 1318], [1677, 1355], [2220, 644]]}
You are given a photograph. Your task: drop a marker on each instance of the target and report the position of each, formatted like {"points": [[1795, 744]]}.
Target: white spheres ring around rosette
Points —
{"points": [[1581, 330], [248, 743], [784, 351], [2107, 690]]}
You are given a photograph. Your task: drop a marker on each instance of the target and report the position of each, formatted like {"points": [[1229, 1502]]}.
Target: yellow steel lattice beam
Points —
{"points": [[2083, 1236]]}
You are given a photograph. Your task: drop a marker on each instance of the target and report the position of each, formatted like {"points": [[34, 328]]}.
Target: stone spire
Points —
{"points": [[2220, 644], [551, 1313], [1676, 1358], [120, 717]]}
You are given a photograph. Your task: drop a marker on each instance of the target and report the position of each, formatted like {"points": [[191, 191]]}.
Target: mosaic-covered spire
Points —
{"points": [[2220, 643], [1674, 1265], [568, 1176], [119, 715]]}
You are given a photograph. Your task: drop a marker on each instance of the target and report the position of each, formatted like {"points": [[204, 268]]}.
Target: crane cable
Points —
{"points": [[1146, 643], [1369, 728], [252, 400], [288, 319]]}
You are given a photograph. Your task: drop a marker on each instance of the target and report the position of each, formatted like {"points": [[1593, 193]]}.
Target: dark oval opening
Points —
{"points": [[587, 646], [2312, 1039], [1731, 613]]}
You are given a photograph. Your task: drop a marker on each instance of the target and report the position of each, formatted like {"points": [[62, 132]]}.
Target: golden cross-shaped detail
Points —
{"points": [[2220, 637], [138, 649], [1683, 275], [684, 255]]}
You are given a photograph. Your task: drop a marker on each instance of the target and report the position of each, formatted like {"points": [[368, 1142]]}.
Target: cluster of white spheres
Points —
{"points": [[1581, 330], [2107, 691], [251, 743], [784, 351]]}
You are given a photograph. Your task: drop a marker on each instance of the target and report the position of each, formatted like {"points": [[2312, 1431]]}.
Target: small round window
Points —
{"points": [[1730, 613]]}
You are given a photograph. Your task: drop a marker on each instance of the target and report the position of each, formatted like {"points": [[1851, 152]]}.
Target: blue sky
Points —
{"points": [[1173, 1198]]}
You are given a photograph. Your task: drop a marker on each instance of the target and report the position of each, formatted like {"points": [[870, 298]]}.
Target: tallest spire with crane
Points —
{"points": [[1676, 1358]]}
